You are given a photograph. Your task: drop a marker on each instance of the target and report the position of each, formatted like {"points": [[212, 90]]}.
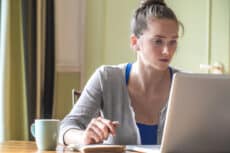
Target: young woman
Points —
{"points": [[132, 97]]}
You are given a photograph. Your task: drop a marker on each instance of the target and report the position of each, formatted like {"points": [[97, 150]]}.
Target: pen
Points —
{"points": [[115, 123]]}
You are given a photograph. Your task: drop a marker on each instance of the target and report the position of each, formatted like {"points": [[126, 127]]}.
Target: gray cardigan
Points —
{"points": [[107, 92]]}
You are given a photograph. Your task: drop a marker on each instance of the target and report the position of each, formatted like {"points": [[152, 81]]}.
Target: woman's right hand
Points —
{"points": [[99, 130]]}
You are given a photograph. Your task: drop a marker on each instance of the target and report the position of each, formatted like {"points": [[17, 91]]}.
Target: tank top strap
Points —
{"points": [[127, 72], [171, 73]]}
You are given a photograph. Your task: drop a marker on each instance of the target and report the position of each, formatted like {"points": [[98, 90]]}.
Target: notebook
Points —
{"points": [[198, 115]]}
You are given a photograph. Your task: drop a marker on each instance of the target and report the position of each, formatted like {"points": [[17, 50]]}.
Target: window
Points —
{"points": [[69, 35]]}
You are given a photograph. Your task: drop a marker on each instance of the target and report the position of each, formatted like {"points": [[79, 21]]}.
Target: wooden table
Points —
{"points": [[28, 147], [23, 147]]}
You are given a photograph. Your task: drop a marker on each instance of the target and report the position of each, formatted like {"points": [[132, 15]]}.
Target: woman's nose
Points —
{"points": [[165, 51]]}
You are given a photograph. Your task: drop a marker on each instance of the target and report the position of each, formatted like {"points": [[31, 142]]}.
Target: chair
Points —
{"points": [[75, 95]]}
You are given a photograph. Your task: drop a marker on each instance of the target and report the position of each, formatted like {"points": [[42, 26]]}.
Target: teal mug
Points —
{"points": [[45, 132]]}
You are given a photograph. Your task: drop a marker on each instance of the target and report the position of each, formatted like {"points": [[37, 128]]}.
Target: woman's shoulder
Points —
{"points": [[112, 73], [112, 69]]}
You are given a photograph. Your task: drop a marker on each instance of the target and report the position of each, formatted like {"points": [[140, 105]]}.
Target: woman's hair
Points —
{"points": [[148, 9]]}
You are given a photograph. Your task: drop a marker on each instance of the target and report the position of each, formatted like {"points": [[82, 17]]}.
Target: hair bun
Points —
{"points": [[144, 3]]}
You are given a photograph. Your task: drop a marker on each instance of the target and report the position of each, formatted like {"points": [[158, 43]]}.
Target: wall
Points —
{"points": [[193, 46], [206, 38], [107, 34], [220, 28], [65, 82]]}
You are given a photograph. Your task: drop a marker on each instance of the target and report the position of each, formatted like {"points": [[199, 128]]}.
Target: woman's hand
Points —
{"points": [[99, 130]]}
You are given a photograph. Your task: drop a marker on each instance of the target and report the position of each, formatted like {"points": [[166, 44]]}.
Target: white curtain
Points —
{"points": [[3, 46]]}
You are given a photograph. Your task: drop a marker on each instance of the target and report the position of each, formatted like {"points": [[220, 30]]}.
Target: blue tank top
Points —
{"points": [[148, 133]]}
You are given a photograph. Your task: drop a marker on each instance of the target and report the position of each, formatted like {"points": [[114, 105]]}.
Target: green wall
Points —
{"points": [[206, 38], [220, 36], [95, 35], [193, 45], [107, 33], [64, 83], [117, 31]]}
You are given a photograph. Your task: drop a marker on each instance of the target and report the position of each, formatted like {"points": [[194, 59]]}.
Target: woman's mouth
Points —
{"points": [[164, 60]]}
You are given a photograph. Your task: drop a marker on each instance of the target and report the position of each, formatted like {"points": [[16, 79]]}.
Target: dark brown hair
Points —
{"points": [[147, 9]]}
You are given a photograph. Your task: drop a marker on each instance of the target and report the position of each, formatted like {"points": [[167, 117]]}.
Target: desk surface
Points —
{"points": [[27, 147]]}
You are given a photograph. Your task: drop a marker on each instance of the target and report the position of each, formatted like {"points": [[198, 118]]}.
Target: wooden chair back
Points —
{"points": [[75, 95]]}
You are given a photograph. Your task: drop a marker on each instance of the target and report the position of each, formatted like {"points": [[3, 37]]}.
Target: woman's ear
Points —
{"points": [[134, 42]]}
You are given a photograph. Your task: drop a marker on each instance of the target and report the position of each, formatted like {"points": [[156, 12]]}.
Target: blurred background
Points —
{"points": [[50, 47]]}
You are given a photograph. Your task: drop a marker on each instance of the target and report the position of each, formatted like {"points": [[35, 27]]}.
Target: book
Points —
{"points": [[97, 148]]}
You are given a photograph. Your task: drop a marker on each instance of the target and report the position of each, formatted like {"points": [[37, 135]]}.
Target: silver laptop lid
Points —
{"points": [[198, 115]]}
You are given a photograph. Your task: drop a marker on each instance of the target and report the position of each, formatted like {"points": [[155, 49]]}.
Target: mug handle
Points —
{"points": [[32, 129]]}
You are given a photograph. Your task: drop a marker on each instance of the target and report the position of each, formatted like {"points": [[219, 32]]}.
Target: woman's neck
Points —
{"points": [[148, 78]]}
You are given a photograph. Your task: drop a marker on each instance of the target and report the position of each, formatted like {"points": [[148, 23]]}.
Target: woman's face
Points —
{"points": [[158, 43]]}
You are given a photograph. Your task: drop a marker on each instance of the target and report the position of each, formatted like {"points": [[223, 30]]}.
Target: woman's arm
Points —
{"points": [[74, 126], [73, 136], [97, 131]]}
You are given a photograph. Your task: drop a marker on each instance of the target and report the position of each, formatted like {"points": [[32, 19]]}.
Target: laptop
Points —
{"points": [[198, 115]]}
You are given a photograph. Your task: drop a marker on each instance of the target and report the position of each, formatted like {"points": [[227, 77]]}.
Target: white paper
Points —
{"points": [[144, 148]]}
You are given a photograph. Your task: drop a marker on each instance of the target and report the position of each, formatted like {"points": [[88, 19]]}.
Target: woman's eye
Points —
{"points": [[173, 42], [158, 42]]}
